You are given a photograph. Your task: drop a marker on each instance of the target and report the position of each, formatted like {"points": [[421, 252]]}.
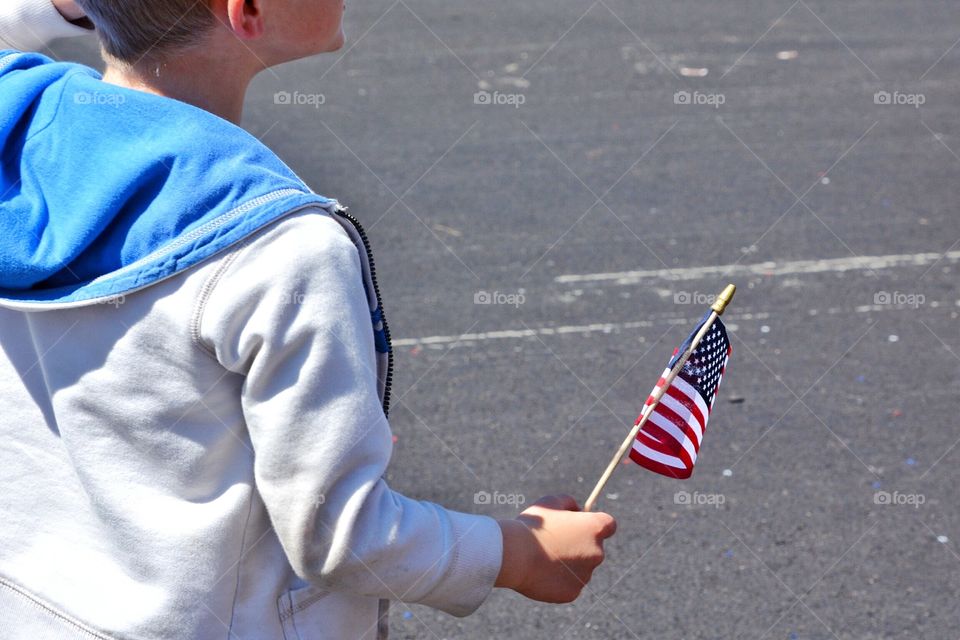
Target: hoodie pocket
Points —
{"points": [[294, 602], [311, 613], [24, 615]]}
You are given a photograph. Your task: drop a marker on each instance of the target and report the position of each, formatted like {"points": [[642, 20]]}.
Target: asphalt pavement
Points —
{"points": [[555, 189]]}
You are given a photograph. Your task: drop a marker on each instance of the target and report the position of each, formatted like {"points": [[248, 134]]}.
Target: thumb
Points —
{"points": [[608, 525]]}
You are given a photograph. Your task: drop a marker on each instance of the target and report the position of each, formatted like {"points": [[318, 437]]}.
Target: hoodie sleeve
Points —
{"points": [[30, 25], [290, 314]]}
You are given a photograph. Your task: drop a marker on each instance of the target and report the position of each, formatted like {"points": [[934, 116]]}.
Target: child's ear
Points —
{"points": [[245, 18]]}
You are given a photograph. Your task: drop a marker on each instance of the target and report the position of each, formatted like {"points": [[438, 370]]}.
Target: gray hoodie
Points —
{"points": [[204, 457]]}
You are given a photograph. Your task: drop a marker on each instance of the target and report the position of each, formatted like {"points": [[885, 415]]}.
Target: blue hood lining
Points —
{"points": [[183, 253], [106, 190]]}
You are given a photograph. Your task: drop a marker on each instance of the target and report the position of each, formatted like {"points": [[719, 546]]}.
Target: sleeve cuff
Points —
{"points": [[477, 552], [29, 25]]}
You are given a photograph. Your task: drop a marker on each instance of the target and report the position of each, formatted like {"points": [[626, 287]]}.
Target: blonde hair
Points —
{"points": [[131, 30]]}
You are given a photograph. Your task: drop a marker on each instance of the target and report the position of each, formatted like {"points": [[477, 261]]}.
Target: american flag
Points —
{"points": [[669, 441]]}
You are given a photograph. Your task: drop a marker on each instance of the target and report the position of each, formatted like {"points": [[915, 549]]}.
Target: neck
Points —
{"points": [[213, 85]]}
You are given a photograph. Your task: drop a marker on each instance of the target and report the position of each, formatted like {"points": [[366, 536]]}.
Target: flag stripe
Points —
{"points": [[672, 431], [665, 432], [656, 456], [688, 404], [660, 383], [678, 428], [690, 420], [671, 471], [684, 386]]}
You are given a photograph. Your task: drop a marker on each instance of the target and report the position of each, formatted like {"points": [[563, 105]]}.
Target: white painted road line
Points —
{"points": [[794, 267], [515, 334], [437, 342]]}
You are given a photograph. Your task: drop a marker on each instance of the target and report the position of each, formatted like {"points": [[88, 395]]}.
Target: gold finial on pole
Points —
{"points": [[724, 299]]}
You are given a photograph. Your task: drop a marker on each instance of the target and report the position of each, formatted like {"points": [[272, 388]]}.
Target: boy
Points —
{"points": [[195, 365]]}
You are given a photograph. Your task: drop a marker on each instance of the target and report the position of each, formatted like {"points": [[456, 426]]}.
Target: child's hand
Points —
{"points": [[551, 549]]}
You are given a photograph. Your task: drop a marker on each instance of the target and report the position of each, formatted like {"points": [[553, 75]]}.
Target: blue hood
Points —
{"points": [[106, 190]]}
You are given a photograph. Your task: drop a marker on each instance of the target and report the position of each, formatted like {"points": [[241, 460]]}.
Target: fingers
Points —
{"points": [[608, 525], [567, 546], [559, 502]]}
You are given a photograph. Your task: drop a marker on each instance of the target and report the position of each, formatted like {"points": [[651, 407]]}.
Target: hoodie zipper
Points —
{"points": [[341, 211], [383, 613]]}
